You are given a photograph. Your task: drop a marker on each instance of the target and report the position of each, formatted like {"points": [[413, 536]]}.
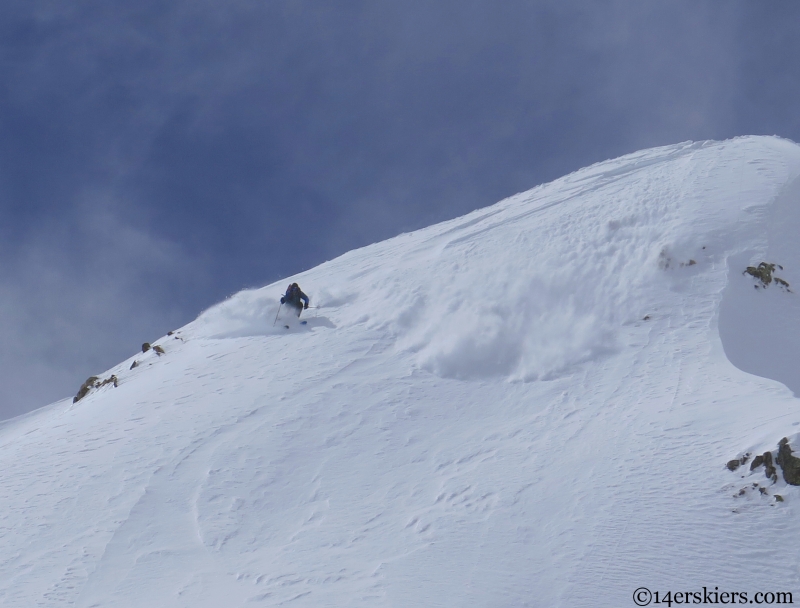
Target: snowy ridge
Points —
{"points": [[531, 405]]}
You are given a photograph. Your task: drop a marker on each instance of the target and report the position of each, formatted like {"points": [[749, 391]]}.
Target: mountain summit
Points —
{"points": [[530, 405]]}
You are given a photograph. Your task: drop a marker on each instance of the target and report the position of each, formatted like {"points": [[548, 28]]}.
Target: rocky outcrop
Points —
{"points": [[790, 465], [764, 273], [93, 382], [85, 388], [769, 468], [737, 462]]}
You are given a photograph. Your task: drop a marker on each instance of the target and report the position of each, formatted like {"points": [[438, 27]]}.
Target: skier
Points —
{"points": [[293, 296]]}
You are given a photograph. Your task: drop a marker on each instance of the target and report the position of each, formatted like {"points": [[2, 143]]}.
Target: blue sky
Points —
{"points": [[157, 157]]}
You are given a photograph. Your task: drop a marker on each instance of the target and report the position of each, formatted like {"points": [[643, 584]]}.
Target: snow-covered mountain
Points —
{"points": [[531, 405]]}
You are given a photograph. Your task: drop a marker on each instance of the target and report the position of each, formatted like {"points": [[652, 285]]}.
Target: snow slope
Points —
{"points": [[531, 405]]}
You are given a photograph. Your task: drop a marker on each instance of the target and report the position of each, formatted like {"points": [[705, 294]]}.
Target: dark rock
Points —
{"points": [[757, 462], [790, 465], [762, 490], [778, 498], [733, 465], [646, 318], [85, 388], [110, 380], [169, 333], [743, 460], [93, 382], [134, 364], [783, 284], [145, 347], [769, 468], [158, 350], [763, 272]]}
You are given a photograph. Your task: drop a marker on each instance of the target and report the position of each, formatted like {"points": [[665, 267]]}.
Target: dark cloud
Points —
{"points": [[155, 157]]}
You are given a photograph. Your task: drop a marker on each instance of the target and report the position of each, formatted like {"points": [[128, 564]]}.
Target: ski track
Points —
{"points": [[478, 415]]}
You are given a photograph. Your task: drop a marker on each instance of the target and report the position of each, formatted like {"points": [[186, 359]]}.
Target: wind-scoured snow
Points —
{"points": [[531, 405]]}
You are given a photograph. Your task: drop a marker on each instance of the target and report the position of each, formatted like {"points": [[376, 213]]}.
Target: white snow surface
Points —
{"points": [[530, 405]]}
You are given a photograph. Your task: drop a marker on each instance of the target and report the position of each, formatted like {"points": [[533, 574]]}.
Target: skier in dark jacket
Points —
{"points": [[293, 297]]}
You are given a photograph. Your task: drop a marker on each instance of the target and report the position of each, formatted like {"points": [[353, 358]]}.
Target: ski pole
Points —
{"points": [[276, 314]]}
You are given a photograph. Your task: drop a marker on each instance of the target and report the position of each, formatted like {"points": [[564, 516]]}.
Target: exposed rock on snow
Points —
{"points": [[85, 388], [763, 272], [94, 382], [769, 467], [790, 465], [737, 462]]}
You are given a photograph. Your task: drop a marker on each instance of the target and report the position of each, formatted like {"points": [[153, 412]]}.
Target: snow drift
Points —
{"points": [[531, 405]]}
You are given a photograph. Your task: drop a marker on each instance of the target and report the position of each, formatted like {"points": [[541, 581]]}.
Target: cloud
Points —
{"points": [[83, 295]]}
